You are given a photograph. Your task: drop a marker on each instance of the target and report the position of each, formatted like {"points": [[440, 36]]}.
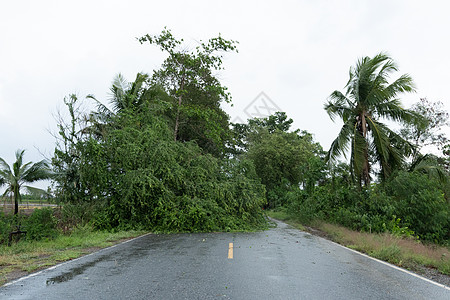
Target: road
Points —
{"points": [[281, 263]]}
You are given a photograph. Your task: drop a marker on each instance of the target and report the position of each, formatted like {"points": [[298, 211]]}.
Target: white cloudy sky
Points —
{"points": [[296, 52]]}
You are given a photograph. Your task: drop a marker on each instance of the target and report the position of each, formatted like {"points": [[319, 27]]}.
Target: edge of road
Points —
{"points": [[392, 266], [72, 260], [370, 257]]}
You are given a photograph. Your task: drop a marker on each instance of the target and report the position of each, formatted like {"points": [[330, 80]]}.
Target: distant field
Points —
{"points": [[25, 207], [27, 201]]}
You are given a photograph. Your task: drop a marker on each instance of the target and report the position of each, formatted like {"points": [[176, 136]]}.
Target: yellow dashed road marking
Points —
{"points": [[230, 251]]}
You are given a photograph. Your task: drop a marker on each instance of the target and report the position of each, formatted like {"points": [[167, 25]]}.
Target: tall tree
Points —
{"points": [[429, 131], [370, 98], [242, 134], [20, 174], [188, 77], [283, 160]]}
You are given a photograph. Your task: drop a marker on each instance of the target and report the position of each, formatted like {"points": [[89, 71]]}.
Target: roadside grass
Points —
{"points": [[26, 257], [404, 252]]}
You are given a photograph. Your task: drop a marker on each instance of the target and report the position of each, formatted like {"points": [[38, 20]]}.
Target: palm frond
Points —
{"points": [[405, 147], [36, 192], [404, 84], [19, 156], [17, 165], [364, 81], [339, 105], [390, 109], [378, 70], [22, 169], [7, 191], [4, 168], [117, 92], [380, 138], [37, 171], [428, 165], [395, 148], [340, 145], [103, 110], [359, 147]]}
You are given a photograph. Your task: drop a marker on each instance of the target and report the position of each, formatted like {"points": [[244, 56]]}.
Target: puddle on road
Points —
{"points": [[66, 276], [138, 248]]}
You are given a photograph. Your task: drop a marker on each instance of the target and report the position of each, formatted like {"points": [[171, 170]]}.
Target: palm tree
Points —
{"points": [[21, 174], [431, 165], [123, 96], [370, 98]]}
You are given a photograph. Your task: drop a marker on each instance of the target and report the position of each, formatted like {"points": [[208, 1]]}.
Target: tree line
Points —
{"points": [[162, 154]]}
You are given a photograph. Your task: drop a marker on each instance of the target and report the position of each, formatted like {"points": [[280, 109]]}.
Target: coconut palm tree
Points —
{"points": [[123, 96], [20, 174], [431, 165], [370, 99]]}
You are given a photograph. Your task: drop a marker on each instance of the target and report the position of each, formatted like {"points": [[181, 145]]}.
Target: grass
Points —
{"points": [[26, 257], [403, 252]]}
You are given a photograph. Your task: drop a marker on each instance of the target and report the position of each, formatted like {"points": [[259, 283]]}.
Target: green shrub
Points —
{"points": [[41, 224], [6, 226], [390, 254], [79, 214], [420, 204]]}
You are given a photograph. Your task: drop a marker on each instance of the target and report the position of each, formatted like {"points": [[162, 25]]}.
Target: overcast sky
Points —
{"points": [[295, 52]]}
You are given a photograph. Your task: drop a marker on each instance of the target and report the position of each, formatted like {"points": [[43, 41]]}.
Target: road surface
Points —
{"points": [[281, 263]]}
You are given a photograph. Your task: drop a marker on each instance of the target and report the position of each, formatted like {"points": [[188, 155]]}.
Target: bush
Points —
{"points": [[6, 226], [41, 224], [420, 204], [79, 214], [408, 204]]}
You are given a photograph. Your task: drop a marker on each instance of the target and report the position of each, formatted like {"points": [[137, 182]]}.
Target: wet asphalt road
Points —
{"points": [[281, 263]]}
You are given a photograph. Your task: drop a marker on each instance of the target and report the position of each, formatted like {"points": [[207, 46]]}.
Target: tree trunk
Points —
{"points": [[16, 200], [366, 167], [180, 99], [177, 120]]}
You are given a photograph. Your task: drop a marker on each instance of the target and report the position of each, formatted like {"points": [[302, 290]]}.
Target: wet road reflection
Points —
{"points": [[281, 263]]}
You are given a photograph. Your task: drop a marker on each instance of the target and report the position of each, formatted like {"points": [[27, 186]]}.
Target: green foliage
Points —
{"points": [[41, 224], [283, 160], [196, 93], [22, 173], [66, 159], [167, 185], [398, 230], [370, 98], [6, 226], [427, 130], [155, 159], [391, 254], [277, 122], [74, 215], [137, 176], [421, 205], [409, 204]]}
